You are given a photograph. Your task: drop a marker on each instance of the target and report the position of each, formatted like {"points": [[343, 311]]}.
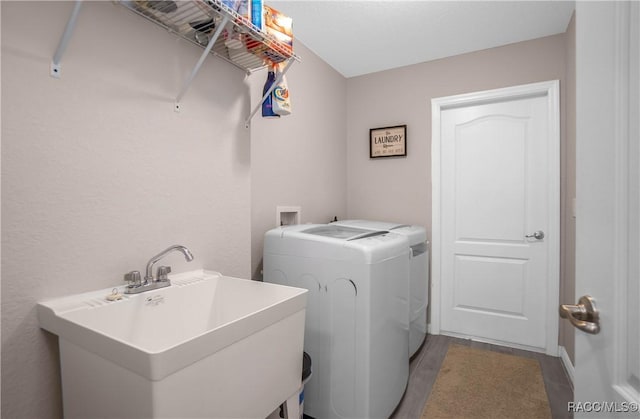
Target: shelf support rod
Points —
{"points": [[266, 95], [195, 70], [64, 41]]}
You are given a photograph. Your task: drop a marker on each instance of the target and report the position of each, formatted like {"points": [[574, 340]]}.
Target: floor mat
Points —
{"points": [[474, 383]]}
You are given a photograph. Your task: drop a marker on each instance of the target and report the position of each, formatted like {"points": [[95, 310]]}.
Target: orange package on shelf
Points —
{"points": [[280, 27]]}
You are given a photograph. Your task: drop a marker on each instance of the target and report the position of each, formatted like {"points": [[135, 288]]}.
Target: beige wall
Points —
{"points": [[99, 173], [299, 160], [398, 189]]}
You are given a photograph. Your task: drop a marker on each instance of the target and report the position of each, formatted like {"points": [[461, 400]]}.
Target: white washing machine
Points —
{"points": [[357, 328], [418, 276]]}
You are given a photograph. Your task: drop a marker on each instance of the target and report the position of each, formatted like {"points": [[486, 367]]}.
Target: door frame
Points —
{"points": [[550, 90]]}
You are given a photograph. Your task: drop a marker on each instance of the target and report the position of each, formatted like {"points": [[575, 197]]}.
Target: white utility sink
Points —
{"points": [[207, 346]]}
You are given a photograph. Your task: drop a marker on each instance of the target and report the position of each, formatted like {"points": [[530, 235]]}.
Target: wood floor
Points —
{"points": [[426, 363]]}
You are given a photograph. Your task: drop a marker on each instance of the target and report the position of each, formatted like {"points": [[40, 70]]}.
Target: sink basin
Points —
{"points": [[207, 346]]}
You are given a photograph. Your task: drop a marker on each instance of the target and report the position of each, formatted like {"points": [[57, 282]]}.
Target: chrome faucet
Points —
{"points": [[176, 248], [136, 285]]}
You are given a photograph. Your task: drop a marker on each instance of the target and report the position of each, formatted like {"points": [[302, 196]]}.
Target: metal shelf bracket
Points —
{"points": [[204, 54], [56, 68], [247, 122]]}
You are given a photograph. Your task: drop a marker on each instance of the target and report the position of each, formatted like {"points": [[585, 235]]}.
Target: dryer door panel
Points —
{"points": [[342, 296], [314, 340]]}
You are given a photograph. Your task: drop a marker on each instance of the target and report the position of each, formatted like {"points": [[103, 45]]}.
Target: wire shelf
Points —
{"points": [[241, 43]]}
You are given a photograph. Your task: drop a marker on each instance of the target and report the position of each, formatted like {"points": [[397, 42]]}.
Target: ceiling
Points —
{"points": [[365, 36]]}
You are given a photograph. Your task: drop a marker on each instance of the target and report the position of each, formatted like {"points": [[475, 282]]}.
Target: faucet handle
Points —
{"points": [[163, 271], [133, 279]]}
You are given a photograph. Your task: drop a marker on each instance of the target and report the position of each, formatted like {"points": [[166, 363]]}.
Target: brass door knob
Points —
{"points": [[583, 316]]}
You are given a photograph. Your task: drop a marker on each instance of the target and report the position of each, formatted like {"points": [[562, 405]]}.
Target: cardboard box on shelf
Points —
{"points": [[256, 11], [280, 27], [239, 6]]}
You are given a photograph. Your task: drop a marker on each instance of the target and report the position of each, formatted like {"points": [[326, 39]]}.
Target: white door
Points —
{"points": [[607, 364], [496, 240]]}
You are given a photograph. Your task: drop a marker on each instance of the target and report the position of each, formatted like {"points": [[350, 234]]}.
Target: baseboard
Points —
{"points": [[566, 363], [496, 342]]}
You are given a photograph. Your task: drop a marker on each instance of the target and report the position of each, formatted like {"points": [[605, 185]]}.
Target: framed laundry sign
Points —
{"points": [[388, 141]]}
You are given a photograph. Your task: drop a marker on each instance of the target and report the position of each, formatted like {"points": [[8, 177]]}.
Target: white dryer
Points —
{"points": [[357, 328], [418, 276]]}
